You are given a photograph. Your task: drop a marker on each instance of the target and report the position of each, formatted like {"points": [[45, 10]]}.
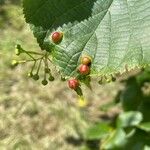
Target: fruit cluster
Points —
{"points": [[83, 69], [37, 59]]}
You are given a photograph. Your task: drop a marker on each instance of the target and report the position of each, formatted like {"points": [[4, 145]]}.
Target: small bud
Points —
{"points": [[18, 46], [18, 49], [44, 82], [51, 78], [30, 74], [47, 70], [14, 63], [113, 78], [17, 52], [63, 79], [105, 80], [35, 77]]}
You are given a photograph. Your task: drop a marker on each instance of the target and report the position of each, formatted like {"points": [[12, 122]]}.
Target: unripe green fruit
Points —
{"points": [[51, 78], [35, 77], [18, 46], [113, 79], [17, 51], [47, 70], [73, 84], [44, 82], [14, 62], [63, 79], [84, 69], [57, 37]]}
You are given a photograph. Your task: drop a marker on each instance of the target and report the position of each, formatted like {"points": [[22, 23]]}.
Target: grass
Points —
{"points": [[34, 117]]}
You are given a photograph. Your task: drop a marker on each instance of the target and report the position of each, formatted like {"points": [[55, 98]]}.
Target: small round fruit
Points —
{"points": [[84, 69], [57, 37], [51, 78], [63, 79], [86, 60], [35, 77], [18, 49], [47, 70], [44, 82], [73, 84]]}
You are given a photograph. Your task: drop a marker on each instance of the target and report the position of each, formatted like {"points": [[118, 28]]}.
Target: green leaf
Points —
{"points": [[138, 140], [144, 109], [128, 119], [116, 140], [49, 14], [131, 96], [143, 76], [114, 33], [98, 131], [54, 13], [144, 126]]}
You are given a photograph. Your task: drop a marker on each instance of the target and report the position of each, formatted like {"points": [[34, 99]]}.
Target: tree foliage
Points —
{"points": [[114, 33]]}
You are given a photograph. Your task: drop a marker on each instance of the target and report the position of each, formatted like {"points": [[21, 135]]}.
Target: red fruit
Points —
{"points": [[86, 60], [84, 69], [73, 83], [57, 37]]}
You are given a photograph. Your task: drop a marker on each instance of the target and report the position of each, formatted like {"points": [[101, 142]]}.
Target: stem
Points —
{"points": [[36, 53], [24, 61], [33, 66], [39, 65], [49, 60], [46, 62], [46, 66], [29, 55]]}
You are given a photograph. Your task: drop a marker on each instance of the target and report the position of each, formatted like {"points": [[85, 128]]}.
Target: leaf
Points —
{"points": [[144, 126], [144, 109], [131, 96], [115, 141], [135, 146], [138, 140], [143, 77], [98, 131], [49, 14], [128, 119], [114, 33]]}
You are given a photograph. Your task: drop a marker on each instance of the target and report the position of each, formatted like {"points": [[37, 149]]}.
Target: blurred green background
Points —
{"points": [[33, 116]]}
